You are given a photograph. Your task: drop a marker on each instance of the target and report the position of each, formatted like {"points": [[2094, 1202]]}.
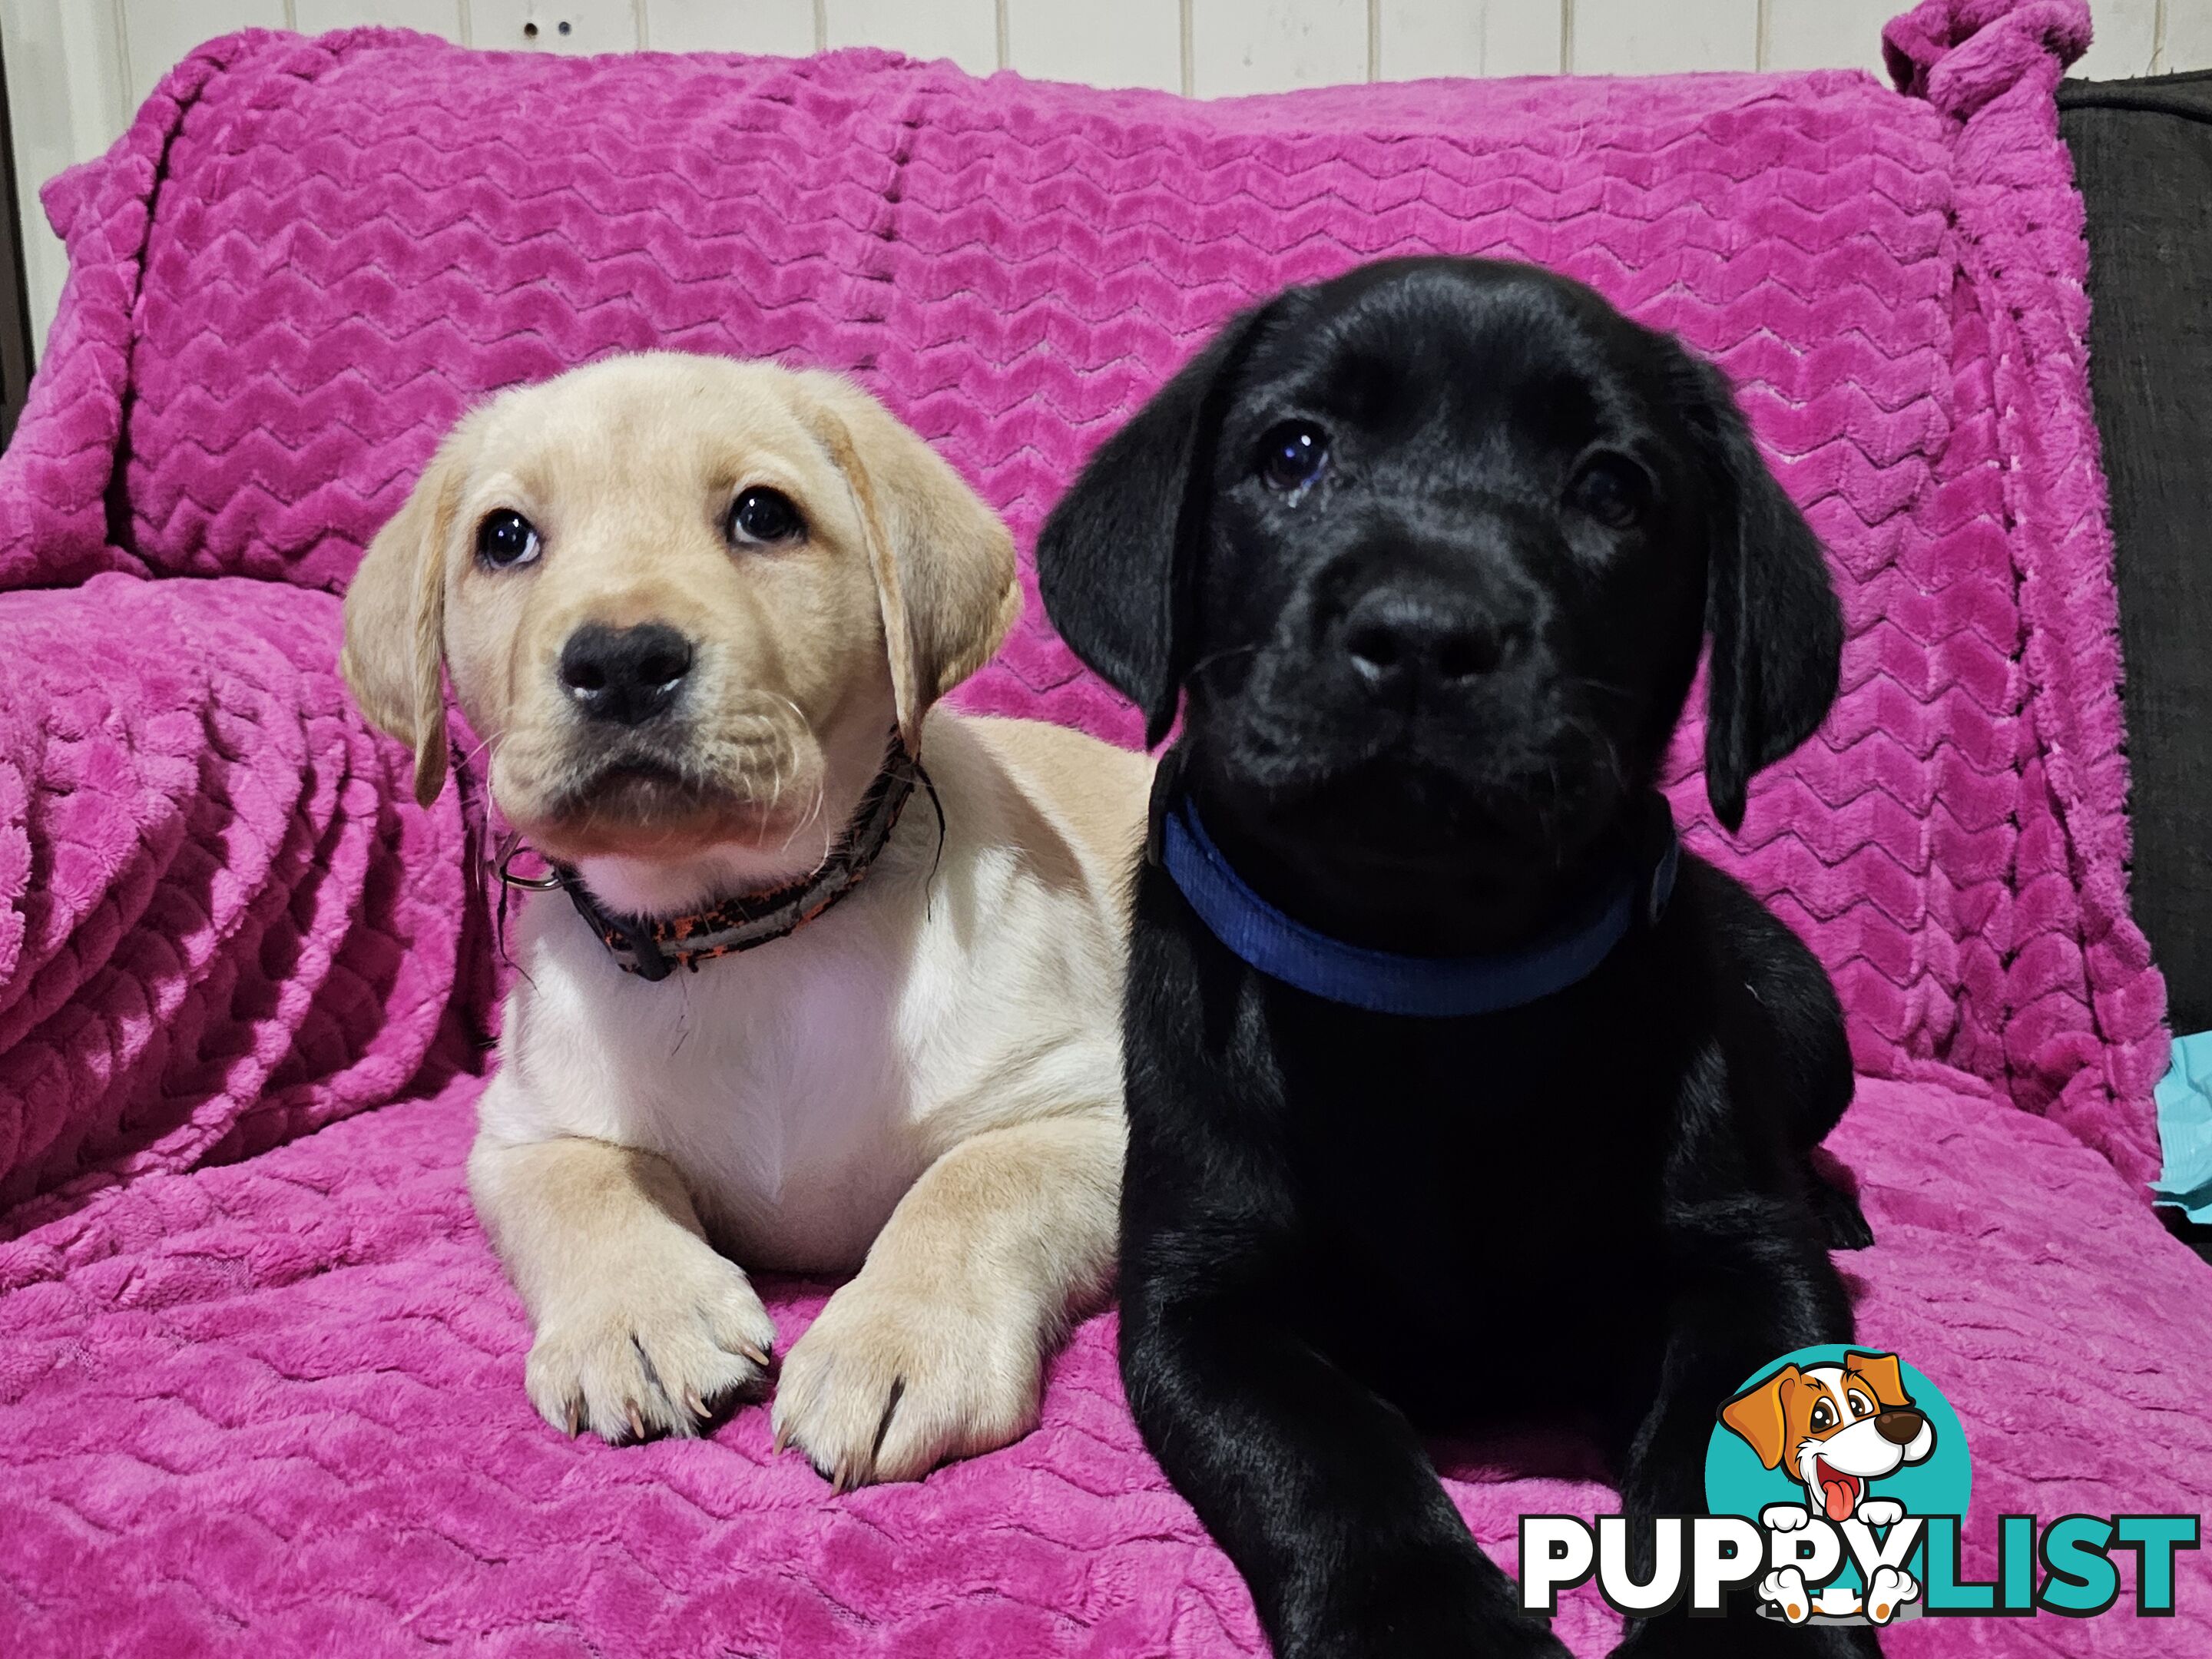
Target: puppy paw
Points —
{"points": [[1890, 1588], [888, 1383], [1837, 1213], [1881, 1511], [1785, 1589], [1784, 1517], [653, 1351]]}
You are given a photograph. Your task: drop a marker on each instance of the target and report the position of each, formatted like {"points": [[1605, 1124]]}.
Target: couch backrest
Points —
{"points": [[310, 256]]}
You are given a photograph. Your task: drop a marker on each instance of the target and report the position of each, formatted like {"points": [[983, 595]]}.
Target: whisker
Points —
{"points": [[1214, 658], [774, 796], [1625, 693], [800, 825]]}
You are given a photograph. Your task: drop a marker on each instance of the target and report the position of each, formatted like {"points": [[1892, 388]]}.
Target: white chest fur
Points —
{"points": [[801, 1087]]}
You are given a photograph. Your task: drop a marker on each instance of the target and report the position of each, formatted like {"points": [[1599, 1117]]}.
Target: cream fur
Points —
{"points": [[924, 1083]]}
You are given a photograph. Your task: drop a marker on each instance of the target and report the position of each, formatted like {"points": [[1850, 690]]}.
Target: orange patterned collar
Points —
{"points": [[654, 947]]}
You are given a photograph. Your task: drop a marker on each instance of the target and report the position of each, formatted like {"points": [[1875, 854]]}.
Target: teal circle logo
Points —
{"points": [[1842, 1455]]}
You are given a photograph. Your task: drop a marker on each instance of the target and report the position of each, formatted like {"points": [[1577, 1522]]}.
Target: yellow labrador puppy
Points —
{"points": [[699, 610]]}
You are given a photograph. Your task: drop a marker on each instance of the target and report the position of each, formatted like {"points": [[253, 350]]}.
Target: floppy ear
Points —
{"points": [[1759, 1415], [942, 563], [1117, 558], [1880, 1370], [395, 616], [1777, 631]]}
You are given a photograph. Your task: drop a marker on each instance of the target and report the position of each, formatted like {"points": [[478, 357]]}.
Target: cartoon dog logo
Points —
{"points": [[1838, 1428]]}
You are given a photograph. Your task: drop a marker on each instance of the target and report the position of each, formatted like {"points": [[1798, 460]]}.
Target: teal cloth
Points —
{"points": [[2184, 1128]]}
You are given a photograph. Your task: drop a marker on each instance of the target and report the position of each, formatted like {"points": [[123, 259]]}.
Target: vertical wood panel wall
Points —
{"points": [[78, 68]]}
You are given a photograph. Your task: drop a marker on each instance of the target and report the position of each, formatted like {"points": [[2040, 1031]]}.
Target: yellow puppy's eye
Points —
{"points": [[765, 515], [1824, 1415], [1861, 1406], [506, 538]]}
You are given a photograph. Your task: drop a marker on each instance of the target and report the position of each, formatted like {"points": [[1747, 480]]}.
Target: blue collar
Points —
{"points": [[1434, 987]]}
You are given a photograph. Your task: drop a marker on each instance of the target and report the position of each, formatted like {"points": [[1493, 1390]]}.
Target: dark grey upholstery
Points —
{"points": [[2142, 151]]}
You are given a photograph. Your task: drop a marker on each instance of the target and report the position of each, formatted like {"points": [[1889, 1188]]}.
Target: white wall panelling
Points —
{"points": [[1636, 37], [68, 98], [431, 16], [77, 68], [966, 31], [2186, 42], [1417, 38], [1270, 46], [1827, 34], [785, 27], [1118, 42], [578, 28], [2126, 40], [157, 32]]}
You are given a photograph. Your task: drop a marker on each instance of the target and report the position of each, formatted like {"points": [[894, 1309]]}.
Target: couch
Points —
{"points": [[260, 1378]]}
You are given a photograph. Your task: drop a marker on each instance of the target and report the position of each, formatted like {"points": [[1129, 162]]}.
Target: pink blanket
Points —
{"points": [[223, 921], [271, 1400]]}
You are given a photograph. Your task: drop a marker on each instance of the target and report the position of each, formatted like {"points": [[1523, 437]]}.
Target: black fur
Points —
{"points": [[1423, 697]]}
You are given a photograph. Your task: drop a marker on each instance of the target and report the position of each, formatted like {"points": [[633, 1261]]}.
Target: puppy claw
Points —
{"points": [[650, 1349], [890, 1381]]}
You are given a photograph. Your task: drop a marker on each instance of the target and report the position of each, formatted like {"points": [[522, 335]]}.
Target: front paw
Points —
{"points": [[1841, 1223], [1889, 1590], [1784, 1517], [1881, 1511], [892, 1380], [1784, 1588], [653, 1351]]}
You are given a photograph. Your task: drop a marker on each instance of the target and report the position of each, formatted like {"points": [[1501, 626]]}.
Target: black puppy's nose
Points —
{"points": [[1899, 1427], [1398, 640], [625, 674]]}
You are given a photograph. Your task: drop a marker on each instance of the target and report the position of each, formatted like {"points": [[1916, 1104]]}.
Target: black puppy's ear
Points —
{"points": [[1769, 606], [1117, 558]]}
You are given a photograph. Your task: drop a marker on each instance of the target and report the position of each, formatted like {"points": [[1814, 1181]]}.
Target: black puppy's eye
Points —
{"points": [[765, 515], [1611, 490], [1293, 455], [506, 539]]}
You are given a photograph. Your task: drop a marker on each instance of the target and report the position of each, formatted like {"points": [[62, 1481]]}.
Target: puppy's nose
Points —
{"points": [[1398, 640], [625, 675], [1899, 1427]]}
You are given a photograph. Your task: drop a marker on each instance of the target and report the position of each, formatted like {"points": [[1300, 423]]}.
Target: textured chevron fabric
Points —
{"points": [[266, 1398]]}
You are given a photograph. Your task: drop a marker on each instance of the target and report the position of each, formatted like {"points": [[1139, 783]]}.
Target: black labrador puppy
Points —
{"points": [[1455, 1092]]}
